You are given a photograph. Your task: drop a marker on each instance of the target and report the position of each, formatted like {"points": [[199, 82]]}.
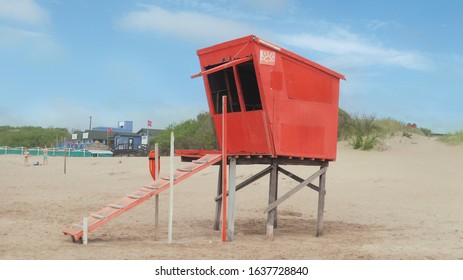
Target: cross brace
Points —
{"points": [[274, 202]]}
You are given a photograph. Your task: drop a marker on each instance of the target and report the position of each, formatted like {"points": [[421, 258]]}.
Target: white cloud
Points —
{"points": [[22, 31], [12, 36], [26, 11], [353, 50], [184, 24], [344, 49], [38, 45]]}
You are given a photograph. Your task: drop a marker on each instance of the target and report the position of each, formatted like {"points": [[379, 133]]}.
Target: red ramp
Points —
{"points": [[111, 211]]}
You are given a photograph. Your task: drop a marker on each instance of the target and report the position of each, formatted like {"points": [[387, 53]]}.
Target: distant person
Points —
{"points": [[26, 157], [45, 155]]}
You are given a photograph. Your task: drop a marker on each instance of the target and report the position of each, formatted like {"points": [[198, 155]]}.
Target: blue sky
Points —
{"points": [[63, 61]]}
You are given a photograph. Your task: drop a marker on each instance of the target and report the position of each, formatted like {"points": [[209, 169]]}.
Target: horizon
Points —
{"points": [[64, 61]]}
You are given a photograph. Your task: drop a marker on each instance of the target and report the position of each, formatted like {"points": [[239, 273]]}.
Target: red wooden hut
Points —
{"points": [[279, 103]]}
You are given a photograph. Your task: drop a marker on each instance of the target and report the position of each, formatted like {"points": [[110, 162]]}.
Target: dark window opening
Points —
{"points": [[223, 83], [250, 89]]}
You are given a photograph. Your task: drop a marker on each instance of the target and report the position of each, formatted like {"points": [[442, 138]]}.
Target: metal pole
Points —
{"points": [[171, 189], [224, 168], [156, 198]]}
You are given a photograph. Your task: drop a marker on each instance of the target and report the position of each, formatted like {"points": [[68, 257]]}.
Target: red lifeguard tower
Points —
{"points": [[281, 109], [279, 103]]}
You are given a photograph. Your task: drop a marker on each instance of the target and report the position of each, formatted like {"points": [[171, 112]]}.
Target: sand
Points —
{"points": [[401, 203]]}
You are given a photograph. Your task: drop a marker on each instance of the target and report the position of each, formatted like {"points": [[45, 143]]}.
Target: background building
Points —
{"points": [[120, 137]]}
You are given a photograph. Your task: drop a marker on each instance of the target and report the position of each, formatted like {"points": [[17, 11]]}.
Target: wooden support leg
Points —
{"points": [[273, 192], [321, 202], [218, 202], [231, 200]]}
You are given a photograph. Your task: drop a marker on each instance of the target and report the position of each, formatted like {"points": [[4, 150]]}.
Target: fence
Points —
{"points": [[5, 150]]}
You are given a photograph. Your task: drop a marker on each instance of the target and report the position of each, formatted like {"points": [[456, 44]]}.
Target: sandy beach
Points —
{"points": [[401, 203]]}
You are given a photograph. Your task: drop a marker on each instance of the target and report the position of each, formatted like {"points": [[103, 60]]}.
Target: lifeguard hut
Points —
{"points": [[279, 103], [282, 110]]}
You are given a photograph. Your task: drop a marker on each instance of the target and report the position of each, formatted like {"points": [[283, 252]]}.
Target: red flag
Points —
{"points": [[110, 130], [150, 123]]}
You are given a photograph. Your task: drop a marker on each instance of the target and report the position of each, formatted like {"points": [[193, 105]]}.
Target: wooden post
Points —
{"points": [[85, 230], [218, 203], [224, 168], [171, 189], [156, 198], [231, 201], [65, 148], [321, 201], [272, 197]]}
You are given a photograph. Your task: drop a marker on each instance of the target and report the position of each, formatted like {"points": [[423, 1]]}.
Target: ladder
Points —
{"points": [[124, 204]]}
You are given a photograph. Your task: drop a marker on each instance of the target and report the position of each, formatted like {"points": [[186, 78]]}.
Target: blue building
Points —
{"points": [[121, 137], [127, 141], [122, 126]]}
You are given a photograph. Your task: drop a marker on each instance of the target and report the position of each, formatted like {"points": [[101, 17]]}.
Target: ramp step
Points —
{"points": [[188, 168], [98, 216], [77, 225], [134, 196], [116, 206], [167, 178], [151, 187], [158, 183]]}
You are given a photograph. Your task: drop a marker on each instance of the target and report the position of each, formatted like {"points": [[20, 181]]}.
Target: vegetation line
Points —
{"points": [[362, 132]]}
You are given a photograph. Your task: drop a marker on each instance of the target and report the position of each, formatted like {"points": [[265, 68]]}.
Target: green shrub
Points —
{"points": [[426, 132], [357, 143], [344, 120], [31, 136], [362, 132]]}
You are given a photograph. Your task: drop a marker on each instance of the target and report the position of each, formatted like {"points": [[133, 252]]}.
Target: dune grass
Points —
{"points": [[366, 132], [392, 127], [453, 138]]}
